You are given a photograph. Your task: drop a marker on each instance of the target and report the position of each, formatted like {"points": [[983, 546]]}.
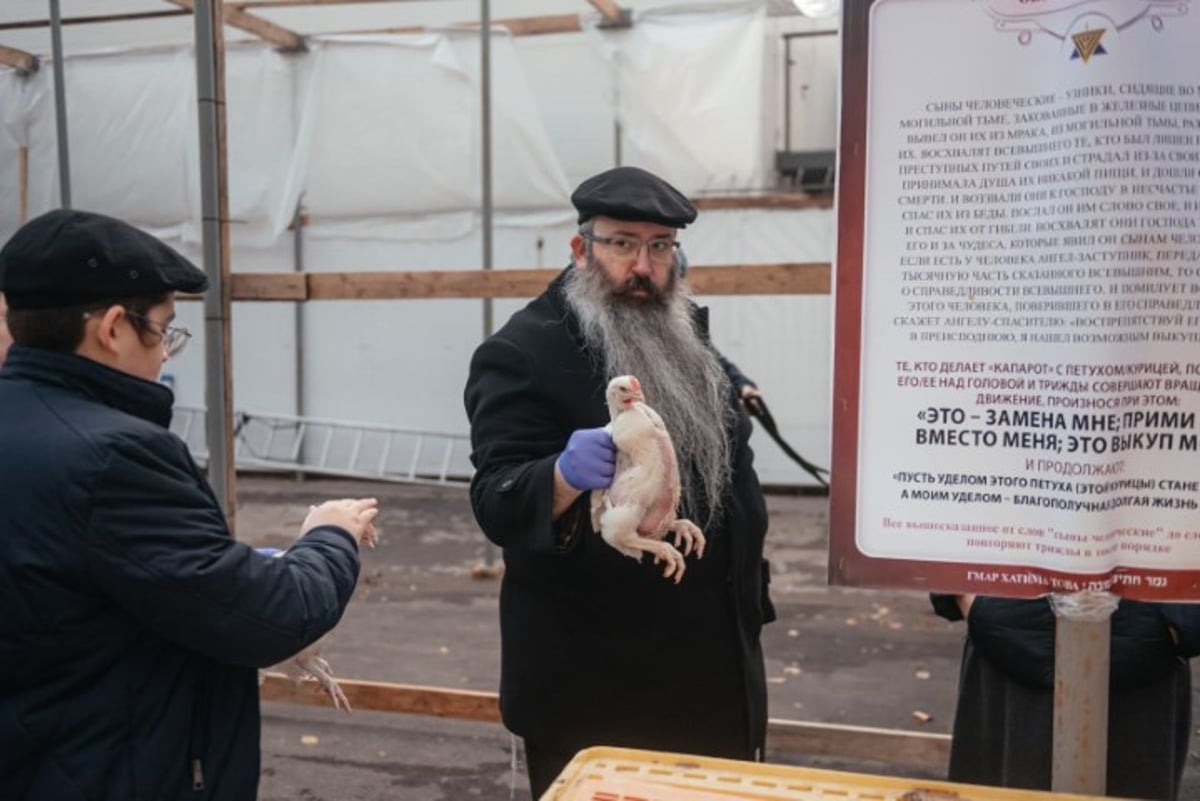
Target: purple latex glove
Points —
{"points": [[590, 459]]}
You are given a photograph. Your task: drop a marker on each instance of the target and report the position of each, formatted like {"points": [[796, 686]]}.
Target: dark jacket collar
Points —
{"points": [[127, 393]]}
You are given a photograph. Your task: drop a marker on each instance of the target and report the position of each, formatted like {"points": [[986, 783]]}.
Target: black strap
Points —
{"points": [[758, 408]]}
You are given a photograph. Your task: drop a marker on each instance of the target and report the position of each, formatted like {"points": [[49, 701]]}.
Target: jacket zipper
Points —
{"points": [[197, 746]]}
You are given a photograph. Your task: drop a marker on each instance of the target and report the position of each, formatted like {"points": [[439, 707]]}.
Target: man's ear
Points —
{"points": [[103, 328], [579, 250]]}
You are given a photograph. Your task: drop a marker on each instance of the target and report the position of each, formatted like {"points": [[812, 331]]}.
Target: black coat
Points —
{"points": [[598, 649], [131, 623], [1004, 720]]}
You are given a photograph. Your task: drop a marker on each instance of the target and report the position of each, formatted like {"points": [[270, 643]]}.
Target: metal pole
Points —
{"points": [[60, 107], [1083, 623], [298, 309], [298, 266], [485, 115], [485, 120], [787, 93], [617, 117], [209, 94]]}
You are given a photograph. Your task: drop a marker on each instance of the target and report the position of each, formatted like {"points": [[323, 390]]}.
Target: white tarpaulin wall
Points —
{"points": [[688, 94], [382, 135], [404, 363], [13, 134], [406, 141], [133, 138]]}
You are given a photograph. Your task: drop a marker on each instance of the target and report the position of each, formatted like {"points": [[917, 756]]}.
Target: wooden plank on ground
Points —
{"points": [[891, 746], [411, 699], [744, 279]]}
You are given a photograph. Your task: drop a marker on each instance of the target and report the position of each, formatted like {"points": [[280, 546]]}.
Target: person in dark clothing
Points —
{"points": [[1004, 723], [133, 622], [596, 648]]}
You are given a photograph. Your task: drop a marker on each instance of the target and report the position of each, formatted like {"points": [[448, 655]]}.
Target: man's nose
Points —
{"points": [[641, 264]]}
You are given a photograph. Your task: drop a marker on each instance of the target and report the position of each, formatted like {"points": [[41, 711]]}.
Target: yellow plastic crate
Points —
{"points": [[625, 774]]}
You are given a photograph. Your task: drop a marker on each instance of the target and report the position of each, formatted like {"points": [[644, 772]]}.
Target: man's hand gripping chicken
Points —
{"points": [[635, 514]]}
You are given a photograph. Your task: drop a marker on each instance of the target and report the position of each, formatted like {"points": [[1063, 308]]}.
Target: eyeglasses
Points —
{"points": [[626, 247], [174, 339]]}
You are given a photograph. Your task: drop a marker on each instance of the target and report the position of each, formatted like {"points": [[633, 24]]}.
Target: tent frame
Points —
{"points": [[758, 279]]}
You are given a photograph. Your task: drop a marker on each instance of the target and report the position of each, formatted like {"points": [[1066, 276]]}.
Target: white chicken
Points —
{"points": [[635, 514], [309, 663]]}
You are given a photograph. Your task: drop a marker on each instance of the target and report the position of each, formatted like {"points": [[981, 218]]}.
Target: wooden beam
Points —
{"points": [[540, 26], [269, 286], [517, 26], [777, 200], [892, 746], [612, 13], [300, 3], [277, 35], [91, 20], [746, 279], [24, 63]]}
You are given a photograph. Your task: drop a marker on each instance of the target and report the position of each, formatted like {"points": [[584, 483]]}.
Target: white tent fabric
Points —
{"points": [[132, 137], [783, 342], [818, 8], [13, 135], [390, 128], [260, 111], [689, 99], [381, 136]]}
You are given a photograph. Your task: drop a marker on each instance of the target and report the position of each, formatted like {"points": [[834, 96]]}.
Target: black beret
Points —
{"points": [[632, 194], [72, 258]]}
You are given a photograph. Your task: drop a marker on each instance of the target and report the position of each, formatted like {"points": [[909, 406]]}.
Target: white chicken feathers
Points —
{"points": [[635, 514], [309, 663]]}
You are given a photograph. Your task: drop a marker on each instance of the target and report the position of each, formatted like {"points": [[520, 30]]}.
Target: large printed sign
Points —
{"points": [[1018, 298]]}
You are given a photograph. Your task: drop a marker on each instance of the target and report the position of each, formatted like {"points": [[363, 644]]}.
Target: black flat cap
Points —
{"points": [[632, 194], [72, 258]]}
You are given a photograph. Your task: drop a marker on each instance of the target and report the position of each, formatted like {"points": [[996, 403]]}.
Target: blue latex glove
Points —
{"points": [[269, 551], [590, 459]]}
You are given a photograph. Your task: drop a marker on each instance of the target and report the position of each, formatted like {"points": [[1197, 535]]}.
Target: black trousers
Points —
{"points": [[544, 763]]}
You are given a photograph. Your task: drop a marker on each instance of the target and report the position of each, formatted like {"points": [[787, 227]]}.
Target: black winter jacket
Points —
{"points": [[131, 623], [597, 649]]}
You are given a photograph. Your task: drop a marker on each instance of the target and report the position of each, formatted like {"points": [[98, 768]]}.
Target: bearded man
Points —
{"points": [[596, 649]]}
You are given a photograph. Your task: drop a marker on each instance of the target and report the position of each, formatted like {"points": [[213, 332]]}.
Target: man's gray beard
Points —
{"points": [[655, 340]]}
